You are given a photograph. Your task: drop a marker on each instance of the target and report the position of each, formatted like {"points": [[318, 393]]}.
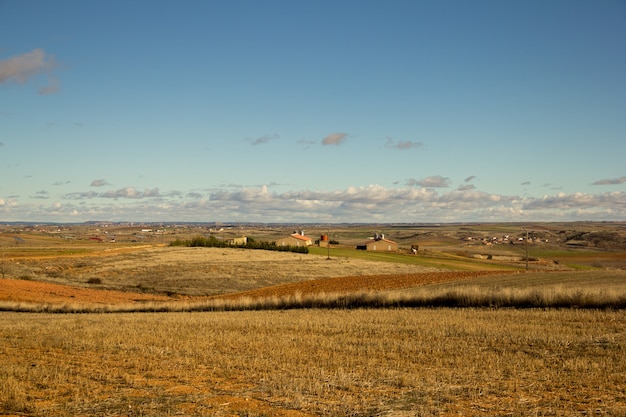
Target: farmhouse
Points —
{"points": [[237, 241], [297, 238], [379, 243]]}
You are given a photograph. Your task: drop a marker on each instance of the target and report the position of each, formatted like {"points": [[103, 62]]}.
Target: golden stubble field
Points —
{"points": [[400, 362]]}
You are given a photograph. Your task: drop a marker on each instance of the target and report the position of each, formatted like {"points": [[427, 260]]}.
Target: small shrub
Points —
{"points": [[94, 281]]}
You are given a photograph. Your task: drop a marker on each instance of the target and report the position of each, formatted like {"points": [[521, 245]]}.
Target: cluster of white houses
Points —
{"points": [[377, 243]]}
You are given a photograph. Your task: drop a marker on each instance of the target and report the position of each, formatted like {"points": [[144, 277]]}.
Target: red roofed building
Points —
{"points": [[295, 239]]}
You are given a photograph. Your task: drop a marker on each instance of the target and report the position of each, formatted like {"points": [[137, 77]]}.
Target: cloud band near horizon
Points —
{"points": [[368, 204]]}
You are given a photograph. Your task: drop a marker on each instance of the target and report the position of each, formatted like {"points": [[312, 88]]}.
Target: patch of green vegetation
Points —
{"points": [[367, 255], [552, 253], [212, 242]]}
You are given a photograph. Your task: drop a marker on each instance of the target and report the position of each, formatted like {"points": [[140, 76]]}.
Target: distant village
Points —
{"points": [[506, 239]]}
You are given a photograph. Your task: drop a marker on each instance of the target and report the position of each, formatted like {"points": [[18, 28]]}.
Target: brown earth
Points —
{"points": [[44, 292], [355, 284]]}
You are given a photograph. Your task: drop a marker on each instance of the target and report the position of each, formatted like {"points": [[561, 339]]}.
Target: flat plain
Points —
{"points": [[311, 361]]}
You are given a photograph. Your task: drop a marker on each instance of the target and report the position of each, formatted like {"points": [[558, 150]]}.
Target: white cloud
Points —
{"points": [[306, 142], [53, 86], [334, 139], [612, 181], [435, 181], [264, 139], [372, 203], [130, 192], [99, 183], [127, 192], [151, 192], [466, 187], [405, 145], [614, 201], [42, 194], [24, 67], [80, 195], [7, 204]]}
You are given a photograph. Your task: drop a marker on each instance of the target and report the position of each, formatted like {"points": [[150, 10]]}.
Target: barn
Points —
{"points": [[379, 243], [297, 238], [237, 241]]}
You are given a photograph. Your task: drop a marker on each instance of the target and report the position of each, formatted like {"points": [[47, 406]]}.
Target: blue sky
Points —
{"points": [[313, 111]]}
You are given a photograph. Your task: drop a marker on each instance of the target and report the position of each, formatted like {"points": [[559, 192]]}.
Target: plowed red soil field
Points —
{"points": [[43, 292], [364, 283]]}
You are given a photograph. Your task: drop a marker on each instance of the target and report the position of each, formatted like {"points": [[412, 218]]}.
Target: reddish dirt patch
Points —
{"points": [[360, 284], [43, 292]]}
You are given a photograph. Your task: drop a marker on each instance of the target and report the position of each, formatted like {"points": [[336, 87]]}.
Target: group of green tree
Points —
{"points": [[213, 242]]}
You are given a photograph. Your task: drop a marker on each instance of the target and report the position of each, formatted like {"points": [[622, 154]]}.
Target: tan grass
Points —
{"points": [[197, 271], [315, 362]]}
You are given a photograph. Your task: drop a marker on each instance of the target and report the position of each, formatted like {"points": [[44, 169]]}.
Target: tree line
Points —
{"points": [[213, 242]]}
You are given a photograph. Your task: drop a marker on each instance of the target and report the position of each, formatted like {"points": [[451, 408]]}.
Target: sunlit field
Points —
{"points": [[316, 362]]}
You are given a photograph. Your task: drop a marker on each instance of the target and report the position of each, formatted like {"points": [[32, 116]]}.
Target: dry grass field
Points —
{"points": [[562, 354], [399, 362], [193, 271]]}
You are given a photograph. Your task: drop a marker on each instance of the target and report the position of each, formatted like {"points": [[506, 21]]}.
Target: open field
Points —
{"points": [[346, 359], [399, 362], [195, 271]]}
